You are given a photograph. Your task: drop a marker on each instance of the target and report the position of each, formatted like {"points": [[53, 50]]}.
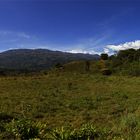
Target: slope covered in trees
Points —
{"points": [[126, 62]]}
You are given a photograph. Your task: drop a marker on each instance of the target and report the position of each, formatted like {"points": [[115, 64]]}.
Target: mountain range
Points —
{"points": [[38, 59]]}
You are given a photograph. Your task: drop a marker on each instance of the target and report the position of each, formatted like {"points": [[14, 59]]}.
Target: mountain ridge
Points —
{"points": [[38, 59]]}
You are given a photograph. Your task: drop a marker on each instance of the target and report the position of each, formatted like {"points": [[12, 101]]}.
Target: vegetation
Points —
{"points": [[104, 56], [73, 102], [126, 62]]}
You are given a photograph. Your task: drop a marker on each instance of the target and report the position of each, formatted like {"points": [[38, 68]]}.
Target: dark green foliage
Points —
{"points": [[127, 55], [126, 62], [127, 128], [131, 68], [104, 56], [23, 129], [26, 130], [112, 57]]}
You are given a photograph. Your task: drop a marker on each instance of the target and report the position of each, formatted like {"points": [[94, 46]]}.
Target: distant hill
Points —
{"points": [[38, 59]]}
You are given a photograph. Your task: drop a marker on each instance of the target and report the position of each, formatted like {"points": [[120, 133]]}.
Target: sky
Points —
{"points": [[77, 26]]}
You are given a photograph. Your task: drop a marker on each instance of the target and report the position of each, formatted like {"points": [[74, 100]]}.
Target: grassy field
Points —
{"points": [[72, 99]]}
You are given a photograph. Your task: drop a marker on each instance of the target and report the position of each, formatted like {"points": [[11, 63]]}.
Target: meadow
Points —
{"points": [[69, 98]]}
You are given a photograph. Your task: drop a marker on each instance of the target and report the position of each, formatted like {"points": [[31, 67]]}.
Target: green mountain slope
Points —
{"points": [[38, 59]]}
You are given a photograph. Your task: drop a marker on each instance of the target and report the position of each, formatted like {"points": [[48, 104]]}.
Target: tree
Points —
{"points": [[106, 71], [104, 56], [127, 55]]}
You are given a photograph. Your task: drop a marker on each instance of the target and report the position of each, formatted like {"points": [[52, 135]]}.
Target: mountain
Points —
{"points": [[38, 59]]}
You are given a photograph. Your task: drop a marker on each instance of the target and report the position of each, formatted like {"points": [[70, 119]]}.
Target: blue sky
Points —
{"points": [[88, 26]]}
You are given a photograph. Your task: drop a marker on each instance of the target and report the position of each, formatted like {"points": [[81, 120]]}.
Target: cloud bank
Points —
{"points": [[83, 51], [109, 49], [124, 46]]}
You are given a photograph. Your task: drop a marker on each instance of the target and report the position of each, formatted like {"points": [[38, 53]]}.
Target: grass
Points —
{"points": [[72, 99]]}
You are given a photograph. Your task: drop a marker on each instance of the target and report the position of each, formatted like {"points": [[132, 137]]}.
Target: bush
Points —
{"points": [[87, 68], [106, 71], [86, 132], [89, 132], [104, 56], [23, 129], [61, 134]]}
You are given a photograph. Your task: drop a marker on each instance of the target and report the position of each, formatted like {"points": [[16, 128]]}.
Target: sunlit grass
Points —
{"points": [[70, 98]]}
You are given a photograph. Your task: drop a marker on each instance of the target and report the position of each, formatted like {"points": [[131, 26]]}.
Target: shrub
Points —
{"points": [[87, 68], [88, 132], [106, 71], [61, 134], [23, 129], [104, 56]]}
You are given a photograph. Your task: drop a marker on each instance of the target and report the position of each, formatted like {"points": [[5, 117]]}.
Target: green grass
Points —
{"points": [[70, 98], [73, 98]]}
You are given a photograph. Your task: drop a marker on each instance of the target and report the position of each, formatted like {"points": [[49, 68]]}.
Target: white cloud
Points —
{"points": [[106, 50], [124, 46], [78, 51], [88, 46], [85, 51]]}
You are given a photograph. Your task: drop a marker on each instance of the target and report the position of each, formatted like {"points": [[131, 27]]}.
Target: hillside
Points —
{"points": [[72, 102], [70, 98], [38, 59]]}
